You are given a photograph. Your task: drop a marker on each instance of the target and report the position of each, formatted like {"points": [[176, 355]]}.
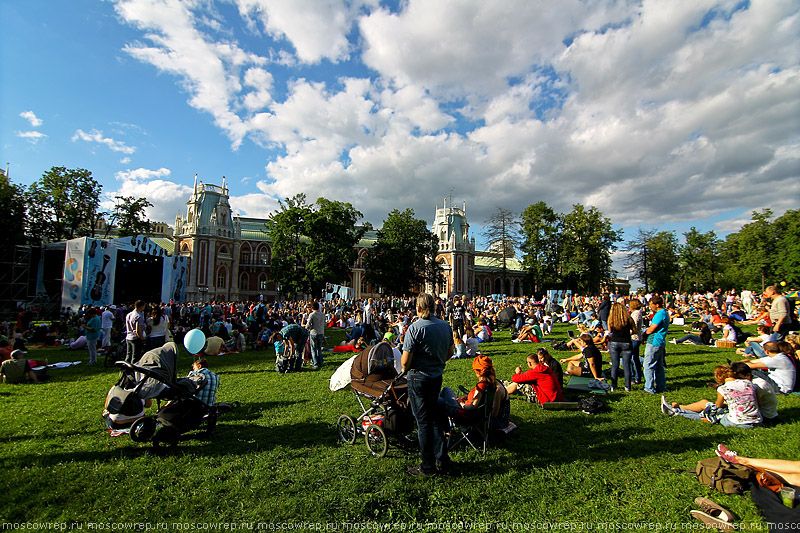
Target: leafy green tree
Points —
{"points": [[63, 204], [541, 229], [585, 253], [786, 255], [699, 258], [312, 244], [129, 216], [12, 215], [403, 257], [502, 229], [653, 256]]}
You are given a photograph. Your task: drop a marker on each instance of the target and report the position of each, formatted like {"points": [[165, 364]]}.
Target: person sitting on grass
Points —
{"points": [[470, 340], [754, 346], [588, 363], [214, 346], [736, 404], [527, 333], [765, 393], [460, 347], [208, 392], [704, 339], [17, 369], [539, 382], [788, 470], [780, 368]]}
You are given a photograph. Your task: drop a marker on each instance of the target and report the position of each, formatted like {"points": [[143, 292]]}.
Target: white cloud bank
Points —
{"points": [[31, 117], [97, 137], [656, 112]]}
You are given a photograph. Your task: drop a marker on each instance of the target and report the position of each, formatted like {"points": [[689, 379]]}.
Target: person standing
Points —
{"points": [[457, 314], [106, 322], [779, 312], [134, 332], [620, 343], [427, 346], [655, 377], [315, 324], [92, 326]]}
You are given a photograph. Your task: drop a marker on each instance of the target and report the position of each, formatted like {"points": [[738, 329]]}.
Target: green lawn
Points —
{"points": [[276, 457]]}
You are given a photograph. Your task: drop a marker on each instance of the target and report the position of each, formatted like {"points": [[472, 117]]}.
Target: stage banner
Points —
{"points": [[73, 273], [333, 291], [173, 281], [98, 269]]}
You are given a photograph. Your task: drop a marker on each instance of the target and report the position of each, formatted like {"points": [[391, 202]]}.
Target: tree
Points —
{"points": [[12, 215], [129, 216], [653, 256], [312, 244], [787, 247], [541, 229], [503, 231], [699, 257], [403, 257], [63, 204], [587, 241]]}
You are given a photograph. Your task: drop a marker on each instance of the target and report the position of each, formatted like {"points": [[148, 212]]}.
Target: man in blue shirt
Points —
{"points": [[655, 377], [427, 345]]}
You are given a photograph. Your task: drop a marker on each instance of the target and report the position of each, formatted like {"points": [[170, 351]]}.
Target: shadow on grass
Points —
{"points": [[20, 438]]}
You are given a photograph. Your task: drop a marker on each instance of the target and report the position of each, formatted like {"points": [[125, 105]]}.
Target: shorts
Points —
{"points": [[586, 372]]}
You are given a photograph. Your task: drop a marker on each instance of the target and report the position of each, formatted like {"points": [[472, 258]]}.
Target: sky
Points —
{"points": [[663, 114]]}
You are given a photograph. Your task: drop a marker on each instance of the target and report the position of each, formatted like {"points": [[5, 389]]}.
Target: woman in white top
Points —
{"points": [[157, 326]]}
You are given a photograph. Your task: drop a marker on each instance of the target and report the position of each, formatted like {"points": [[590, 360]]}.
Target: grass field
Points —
{"points": [[276, 458]]}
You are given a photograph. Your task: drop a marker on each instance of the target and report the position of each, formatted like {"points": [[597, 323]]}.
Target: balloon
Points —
{"points": [[194, 341], [783, 283]]}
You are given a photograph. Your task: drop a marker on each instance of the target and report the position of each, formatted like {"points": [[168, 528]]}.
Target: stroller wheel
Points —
{"points": [[142, 429], [346, 425], [375, 438], [166, 437]]}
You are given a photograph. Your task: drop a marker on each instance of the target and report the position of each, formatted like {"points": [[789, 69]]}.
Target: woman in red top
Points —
{"points": [[487, 388]]}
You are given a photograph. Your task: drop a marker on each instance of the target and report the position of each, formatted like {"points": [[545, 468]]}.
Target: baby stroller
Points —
{"points": [[154, 377], [382, 395]]}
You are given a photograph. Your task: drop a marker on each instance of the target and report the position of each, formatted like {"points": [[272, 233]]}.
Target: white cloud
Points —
{"points": [[30, 116], [125, 160], [97, 136], [168, 198], [254, 205], [32, 137]]}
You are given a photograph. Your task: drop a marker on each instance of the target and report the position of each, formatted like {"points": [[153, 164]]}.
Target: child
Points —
{"points": [[208, 392]]}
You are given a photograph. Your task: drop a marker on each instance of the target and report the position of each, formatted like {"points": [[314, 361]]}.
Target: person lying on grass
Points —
{"points": [[736, 404], [539, 382], [704, 339], [588, 363], [788, 470]]}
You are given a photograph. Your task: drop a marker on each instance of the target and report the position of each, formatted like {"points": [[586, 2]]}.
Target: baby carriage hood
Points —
{"points": [[161, 362]]}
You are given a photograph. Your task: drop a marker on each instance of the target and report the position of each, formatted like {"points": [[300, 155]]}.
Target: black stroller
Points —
{"points": [[382, 395], [154, 377]]}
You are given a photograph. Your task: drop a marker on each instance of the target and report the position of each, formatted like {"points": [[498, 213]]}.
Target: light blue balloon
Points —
{"points": [[194, 341]]}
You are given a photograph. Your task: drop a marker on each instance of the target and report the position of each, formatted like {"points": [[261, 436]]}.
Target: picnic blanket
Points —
{"points": [[581, 384]]}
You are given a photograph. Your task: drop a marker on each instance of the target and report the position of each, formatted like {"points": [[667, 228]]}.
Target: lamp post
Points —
{"points": [[203, 291]]}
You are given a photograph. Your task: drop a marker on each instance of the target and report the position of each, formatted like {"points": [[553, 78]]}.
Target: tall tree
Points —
{"points": [[541, 228], [746, 254], [653, 256], [787, 247], [502, 229], [12, 214], [312, 244], [699, 260], [129, 216], [587, 241], [63, 204], [403, 257]]}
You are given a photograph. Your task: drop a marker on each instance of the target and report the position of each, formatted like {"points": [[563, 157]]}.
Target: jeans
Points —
{"points": [[694, 338], [755, 349], [91, 344], [655, 377], [316, 349], [615, 350], [106, 337], [636, 362], [133, 350], [423, 392]]}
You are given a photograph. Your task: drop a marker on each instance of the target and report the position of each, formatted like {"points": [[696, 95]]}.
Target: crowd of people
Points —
{"points": [[429, 331]]}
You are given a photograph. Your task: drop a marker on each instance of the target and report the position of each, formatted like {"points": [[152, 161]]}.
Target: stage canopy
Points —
{"points": [[102, 272]]}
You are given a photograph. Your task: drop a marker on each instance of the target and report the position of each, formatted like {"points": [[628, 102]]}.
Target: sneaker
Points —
{"points": [[727, 454], [666, 408], [416, 470], [714, 509], [673, 341], [516, 341]]}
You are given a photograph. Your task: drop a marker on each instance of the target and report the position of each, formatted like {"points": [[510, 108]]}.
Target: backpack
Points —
{"points": [[741, 336], [592, 406], [718, 474]]}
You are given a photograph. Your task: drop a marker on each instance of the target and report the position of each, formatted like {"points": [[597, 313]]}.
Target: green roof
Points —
{"points": [[164, 242], [493, 264]]}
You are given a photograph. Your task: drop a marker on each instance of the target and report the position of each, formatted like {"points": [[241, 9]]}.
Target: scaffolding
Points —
{"points": [[18, 273]]}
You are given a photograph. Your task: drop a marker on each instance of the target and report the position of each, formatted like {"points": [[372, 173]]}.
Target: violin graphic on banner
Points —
{"points": [[179, 286], [97, 291]]}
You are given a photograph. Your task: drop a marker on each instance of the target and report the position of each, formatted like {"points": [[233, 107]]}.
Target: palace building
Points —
{"points": [[230, 256]]}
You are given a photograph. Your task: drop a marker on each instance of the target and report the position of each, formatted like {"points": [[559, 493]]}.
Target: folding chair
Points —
{"points": [[475, 430]]}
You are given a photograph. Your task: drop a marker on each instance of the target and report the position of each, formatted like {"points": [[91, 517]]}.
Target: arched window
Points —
{"points": [[487, 287], [497, 287], [516, 288], [244, 281], [262, 282], [244, 254], [222, 278]]}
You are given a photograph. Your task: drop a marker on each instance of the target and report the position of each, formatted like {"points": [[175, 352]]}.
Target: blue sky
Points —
{"points": [[665, 114]]}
